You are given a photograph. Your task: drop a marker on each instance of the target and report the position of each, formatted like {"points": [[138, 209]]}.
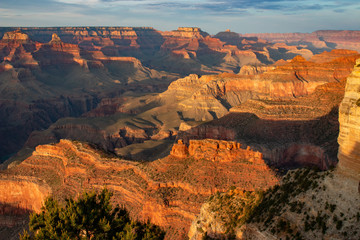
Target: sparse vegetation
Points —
{"points": [[234, 207], [274, 206]]}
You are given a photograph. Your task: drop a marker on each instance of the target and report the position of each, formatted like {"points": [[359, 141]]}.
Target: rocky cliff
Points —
{"points": [[168, 191], [349, 136], [300, 131]]}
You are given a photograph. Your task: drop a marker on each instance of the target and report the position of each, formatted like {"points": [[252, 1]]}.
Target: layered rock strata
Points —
{"points": [[42, 82], [168, 191], [349, 119], [215, 150], [295, 132], [292, 93]]}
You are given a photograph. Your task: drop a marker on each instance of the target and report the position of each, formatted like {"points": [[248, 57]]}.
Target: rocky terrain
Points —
{"points": [[102, 107], [51, 73], [292, 93], [168, 191], [42, 82], [307, 204]]}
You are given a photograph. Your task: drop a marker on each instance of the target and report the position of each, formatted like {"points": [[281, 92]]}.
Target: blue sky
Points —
{"points": [[242, 16]]}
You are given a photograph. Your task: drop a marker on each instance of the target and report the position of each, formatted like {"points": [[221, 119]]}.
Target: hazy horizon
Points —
{"points": [[242, 16]]}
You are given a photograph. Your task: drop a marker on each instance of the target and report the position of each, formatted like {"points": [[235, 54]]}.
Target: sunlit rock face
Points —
{"points": [[349, 118], [16, 36], [167, 191]]}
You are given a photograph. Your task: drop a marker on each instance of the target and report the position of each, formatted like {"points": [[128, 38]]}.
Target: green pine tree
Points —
{"points": [[91, 216]]}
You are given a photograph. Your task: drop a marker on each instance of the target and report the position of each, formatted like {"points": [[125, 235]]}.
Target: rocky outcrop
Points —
{"points": [[349, 116], [16, 36], [167, 191], [215, 150], [254, 69], [186, 32]]}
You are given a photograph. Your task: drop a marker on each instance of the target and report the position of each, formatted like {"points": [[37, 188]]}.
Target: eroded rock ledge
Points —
{"points": [[216, 151]]}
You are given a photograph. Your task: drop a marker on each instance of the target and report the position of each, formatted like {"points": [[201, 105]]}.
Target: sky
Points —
{"points": [[241, 16]]}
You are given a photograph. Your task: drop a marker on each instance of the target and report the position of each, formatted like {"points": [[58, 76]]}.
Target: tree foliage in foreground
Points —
{"points": [[91, 216]]}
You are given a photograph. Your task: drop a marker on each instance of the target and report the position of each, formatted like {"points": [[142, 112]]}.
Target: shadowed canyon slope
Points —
{"points": [[167, 191]]}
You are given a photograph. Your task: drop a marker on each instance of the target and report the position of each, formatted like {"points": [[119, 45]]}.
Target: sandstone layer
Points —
{"points": [[168, 191], [349, 117]]}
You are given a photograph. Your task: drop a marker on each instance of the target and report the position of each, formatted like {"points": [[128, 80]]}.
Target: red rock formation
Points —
{"points": [[16, 36], [215, 150], [20, 195], [180, 150], [295, 132], [168, 191]]}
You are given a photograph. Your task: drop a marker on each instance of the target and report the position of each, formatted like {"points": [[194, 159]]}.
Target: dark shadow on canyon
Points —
{"points": [[284, 144]]}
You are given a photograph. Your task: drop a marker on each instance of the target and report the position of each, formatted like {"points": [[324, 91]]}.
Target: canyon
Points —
{"points": [[52, 73], [170, 121], [297, 100]]}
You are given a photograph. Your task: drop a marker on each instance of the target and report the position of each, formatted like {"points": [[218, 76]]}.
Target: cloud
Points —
{"points": [[209, 6], [244, 15]]}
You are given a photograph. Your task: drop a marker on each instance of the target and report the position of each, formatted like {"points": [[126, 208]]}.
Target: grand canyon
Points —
{"points": [[225, 136]]}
